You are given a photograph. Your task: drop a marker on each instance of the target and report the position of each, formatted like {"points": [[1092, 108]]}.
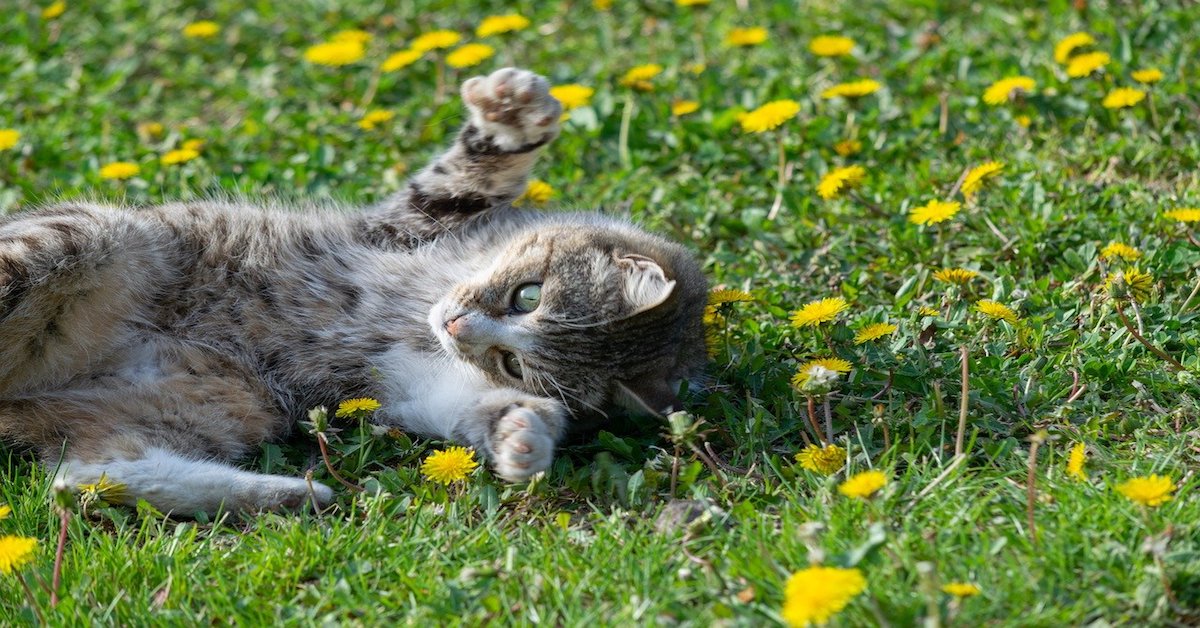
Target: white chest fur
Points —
{"points": [[426, 393]]}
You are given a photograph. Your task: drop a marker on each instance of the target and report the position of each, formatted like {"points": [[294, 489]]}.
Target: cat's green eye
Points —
{"points": [[527, 297], [511, 364]]}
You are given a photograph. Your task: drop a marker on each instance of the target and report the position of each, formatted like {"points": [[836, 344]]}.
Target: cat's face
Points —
{"points": [[593, 315]]}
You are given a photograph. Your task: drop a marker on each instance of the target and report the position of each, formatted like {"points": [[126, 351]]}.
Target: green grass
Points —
{"points": [[581, 545]]}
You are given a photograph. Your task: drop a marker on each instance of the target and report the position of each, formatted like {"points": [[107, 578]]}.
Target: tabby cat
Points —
{"points": [[159, 345]]}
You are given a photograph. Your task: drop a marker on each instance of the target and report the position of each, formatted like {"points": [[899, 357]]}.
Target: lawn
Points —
{"points": [[1071, 342]]}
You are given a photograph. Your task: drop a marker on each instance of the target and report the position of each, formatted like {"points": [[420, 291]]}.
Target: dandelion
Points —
{"points": [[692, 3], [933, 212], [150, 129], [695, 68], [1123, 97], [5, 511], [435, 40], [1148, 76], [15, 552], [961, 589], [770, 116], [178, 156], [874, 331], [840, 180], [1075, 462], [925, 310], [1183, 214], [831, 46], [360, 406], [1151, 490], [1084, 64], [1120, 250], [825, 460], [601, 5], [119, 170], [863, 485], [498, 24], [816, 594], [537, 192], [452, 464], [721, 297], [353, 34], [746, 37], [997, 311], [572, 96], [820, 368], [192, 144], [976, 177], [1067, 45], [374, 118], [958, 276], [1023, 121], [1131, 282], [102, 490], [401, 60], [683, 107], [817, 312], [846, 148], [469, 55], [853, 89], [640, 77], [203, 29], [54, 10], [9, 138], [335, 54], [1007, 89]]}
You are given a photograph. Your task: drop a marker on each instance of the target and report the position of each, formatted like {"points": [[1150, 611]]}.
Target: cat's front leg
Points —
{"points": [[517, 432]]}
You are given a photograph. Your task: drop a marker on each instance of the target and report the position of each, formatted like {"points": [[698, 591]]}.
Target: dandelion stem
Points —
{"points": [[1153, 349], [372, 87], [1031, 487], [439, 90], [623, 138], [1153, 110], [781, 178], [1191, 295], [812, 419], [64, 517], [32, 602], [828, 420], [964, 401], [329, 465]]}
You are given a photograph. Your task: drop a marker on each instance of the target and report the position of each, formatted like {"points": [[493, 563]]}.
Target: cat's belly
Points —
{"points": [[426, 393]]}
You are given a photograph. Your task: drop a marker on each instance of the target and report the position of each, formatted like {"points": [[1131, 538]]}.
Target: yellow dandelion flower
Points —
{"points": [[874, 331], [335, 54], [5, 511], [683, 107], [1075, 462], [360, 406], [54, 10], [840, 180], [1086, 63], [192, 144], [692, 3], [150, 129], [640, 77], [961, 589], [997, 311], [770, 116], [352, 34], [103, 490], [728, 295], [375, 118], [119, 170], [401, 60], [1148, 76], [601, 5], [1068, 45], [178, 156], [1121, 250], [536, 192], [1023, 121], [933, 212], [846, 148], [9, 138], [572, 96], [816, 594], [977, 175], [831, 46], [435, 40], [1007, 89], [817, 312], [1151, 490], [695, 68], [925, 310], [1123, 97], [746, 36], [853, 89], [960, 276], [863, 485], [1131, 282], [452, 464], [825, 460], [1183, 214], [15, 552], [469, 55], [497, 24], [806, 370], [203, 29]]}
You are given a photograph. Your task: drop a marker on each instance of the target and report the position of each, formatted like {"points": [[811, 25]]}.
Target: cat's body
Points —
{"points": [[156, 345]]}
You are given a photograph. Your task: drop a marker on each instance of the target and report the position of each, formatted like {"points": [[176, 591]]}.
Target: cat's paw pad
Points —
{"points": [[521, 445], [512, 109]]}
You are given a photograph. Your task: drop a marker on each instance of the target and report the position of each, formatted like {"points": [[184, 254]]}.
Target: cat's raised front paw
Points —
{"points": [[521, 445], [512, 110]]}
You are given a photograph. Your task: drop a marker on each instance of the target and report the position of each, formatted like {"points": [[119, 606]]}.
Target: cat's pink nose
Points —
{"points": [[454, 326]]}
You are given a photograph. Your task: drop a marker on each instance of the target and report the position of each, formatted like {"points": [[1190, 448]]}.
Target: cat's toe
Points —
{"points": [[522, 445], [512, 109]]}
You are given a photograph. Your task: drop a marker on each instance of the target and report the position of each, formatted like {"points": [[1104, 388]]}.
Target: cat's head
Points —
{"points": [[597, 314]]}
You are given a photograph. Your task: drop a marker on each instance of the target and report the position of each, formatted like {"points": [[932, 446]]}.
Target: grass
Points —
{"points": [[582, 546]]}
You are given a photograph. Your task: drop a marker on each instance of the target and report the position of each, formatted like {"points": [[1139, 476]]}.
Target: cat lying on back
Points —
{"points": [[159, 345]]}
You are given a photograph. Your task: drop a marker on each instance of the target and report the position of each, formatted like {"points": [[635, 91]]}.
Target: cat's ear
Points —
{"points": [[645, 284], [651, 395]]}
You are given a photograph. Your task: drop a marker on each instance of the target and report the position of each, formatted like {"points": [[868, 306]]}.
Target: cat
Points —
{"points": [[157, 346]]}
